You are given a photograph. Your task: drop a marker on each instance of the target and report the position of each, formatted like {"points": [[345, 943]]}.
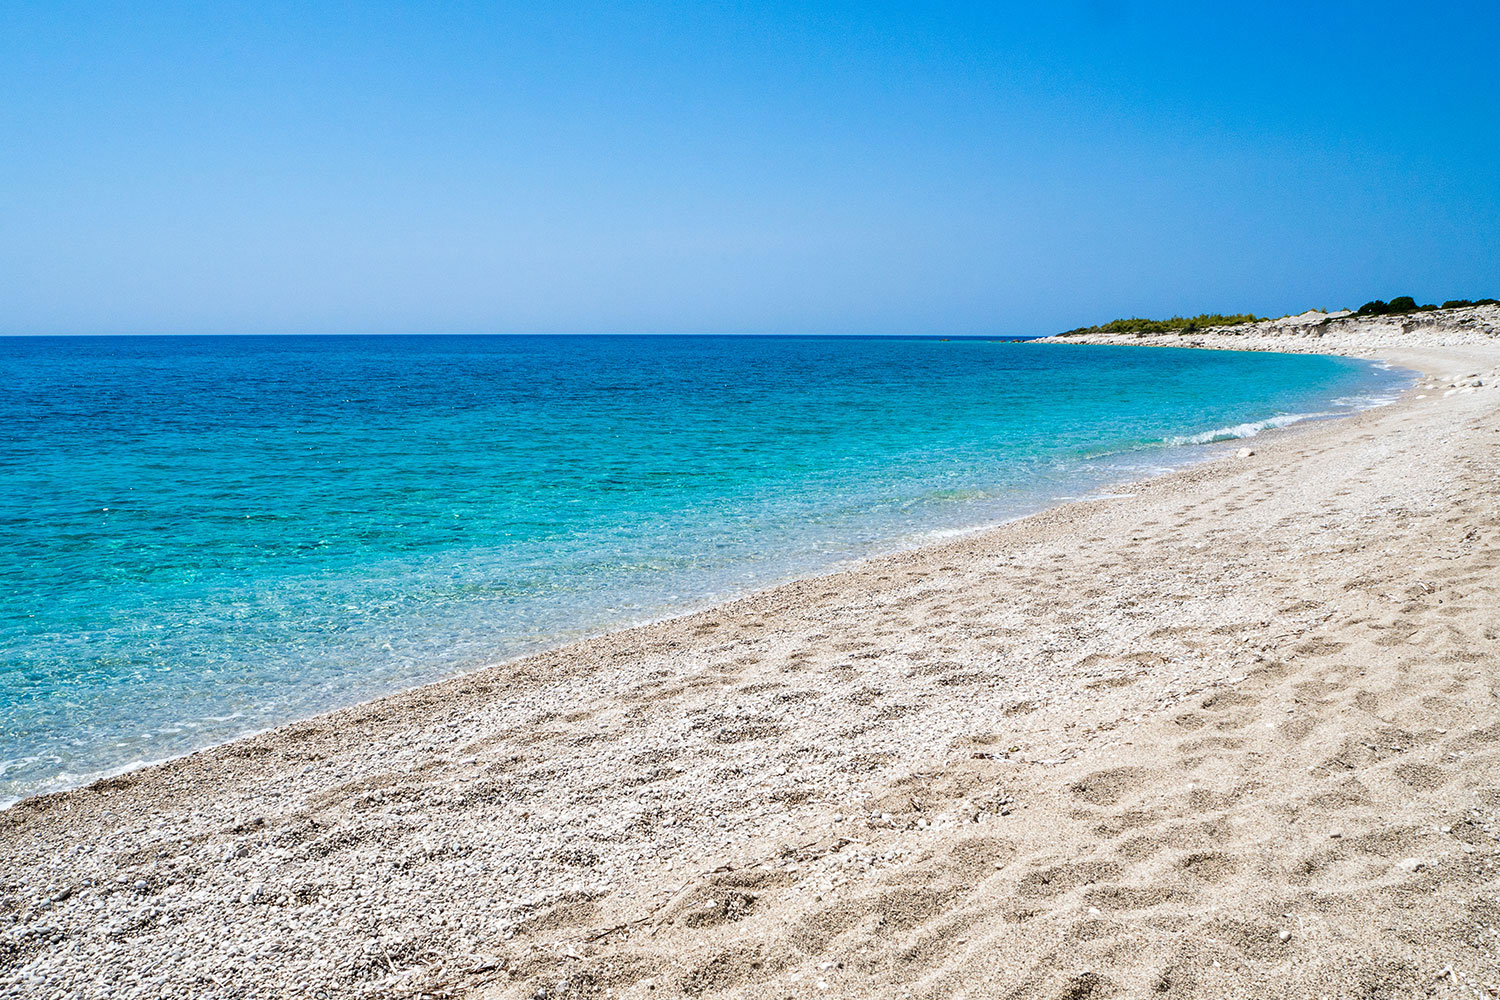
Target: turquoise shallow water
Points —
{"points": [[202, 537]]}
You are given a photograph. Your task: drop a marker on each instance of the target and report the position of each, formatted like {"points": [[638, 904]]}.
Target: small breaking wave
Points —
{"points": [[1243, 430]]}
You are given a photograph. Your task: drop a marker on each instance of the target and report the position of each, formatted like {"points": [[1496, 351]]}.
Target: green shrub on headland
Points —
{"points": [[1406, 304], [1177, 324], [1400, 304]]}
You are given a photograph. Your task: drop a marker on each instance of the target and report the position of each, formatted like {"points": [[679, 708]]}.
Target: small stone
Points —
{"points": [[1284, 936], [1335, 834], [1244, 453]]}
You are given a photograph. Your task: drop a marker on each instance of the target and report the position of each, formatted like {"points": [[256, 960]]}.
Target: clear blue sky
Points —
{"points": [[737, 167]]}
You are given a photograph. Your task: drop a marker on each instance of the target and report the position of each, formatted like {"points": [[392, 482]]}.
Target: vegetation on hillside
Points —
{"points": [[1177, 324], [1190, 324]]}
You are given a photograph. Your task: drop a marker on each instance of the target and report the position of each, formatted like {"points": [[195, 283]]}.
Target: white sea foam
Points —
{"points": [[1368, 402], [1347, 405], [67, 779], [1244, 430], [943, 534]]}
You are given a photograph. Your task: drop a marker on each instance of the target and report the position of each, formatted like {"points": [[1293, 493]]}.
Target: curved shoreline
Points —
{"points": [[1115, 472], [947, 736], [712, 605]]}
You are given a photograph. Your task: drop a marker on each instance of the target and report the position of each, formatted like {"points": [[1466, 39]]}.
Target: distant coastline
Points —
{"points": [[1342, 332], [1401, 305]]}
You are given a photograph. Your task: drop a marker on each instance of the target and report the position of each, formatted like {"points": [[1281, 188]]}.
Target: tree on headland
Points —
{"points": [[1406, 304], [1400, 304]]}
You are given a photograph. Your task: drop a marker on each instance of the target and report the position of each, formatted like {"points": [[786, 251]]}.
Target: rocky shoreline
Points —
{"points": [[1316, 332]]}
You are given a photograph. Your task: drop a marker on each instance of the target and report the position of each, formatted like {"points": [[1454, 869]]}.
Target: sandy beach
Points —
{"points": [[1233, 732]]}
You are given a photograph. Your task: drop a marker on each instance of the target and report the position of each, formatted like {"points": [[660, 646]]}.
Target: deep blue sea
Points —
{"points": [[202, 537]]}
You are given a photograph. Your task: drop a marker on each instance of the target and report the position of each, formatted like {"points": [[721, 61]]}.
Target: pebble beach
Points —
{"points": [[1233, 731]]}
